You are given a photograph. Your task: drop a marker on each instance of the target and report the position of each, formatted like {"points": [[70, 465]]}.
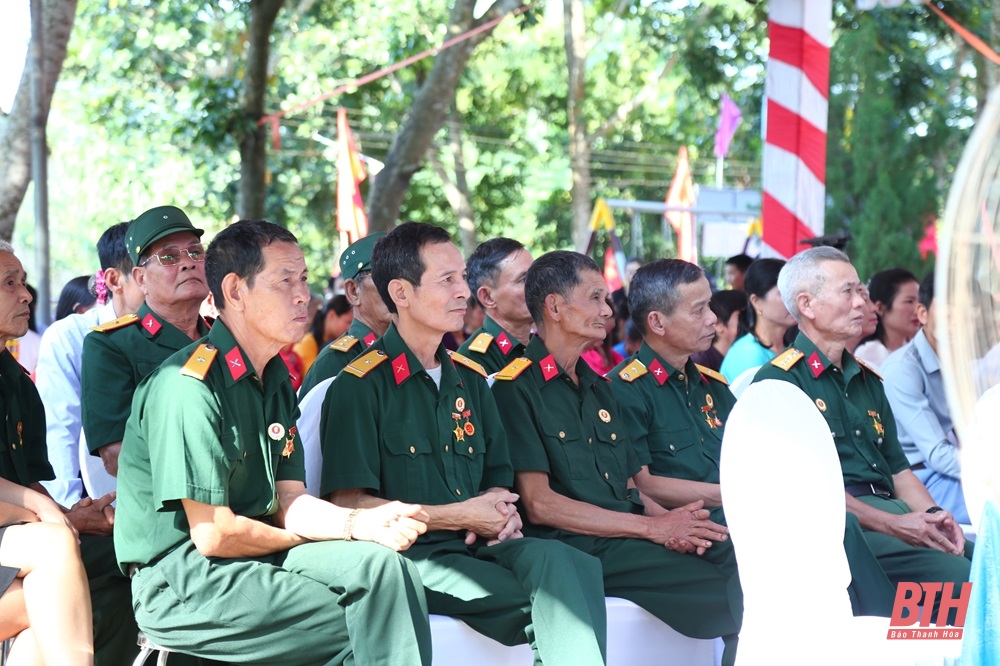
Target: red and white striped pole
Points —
{"points": [[796, 92]]}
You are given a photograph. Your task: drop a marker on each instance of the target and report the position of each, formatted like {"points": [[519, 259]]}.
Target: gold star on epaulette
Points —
{"points": [[467, 362], [632, 371], [115, 324], [344, 343], [363, 364], [513, 369], [708, 372], [200, 361], [786, 359]]}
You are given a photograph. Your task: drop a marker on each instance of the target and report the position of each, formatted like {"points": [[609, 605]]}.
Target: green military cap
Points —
{"points": [[358, 256], [155, 224]]}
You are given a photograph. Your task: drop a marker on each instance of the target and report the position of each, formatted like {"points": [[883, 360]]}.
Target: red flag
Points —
{"points": [[611, 275], [681, 193], [351, 216], [928, 244]]}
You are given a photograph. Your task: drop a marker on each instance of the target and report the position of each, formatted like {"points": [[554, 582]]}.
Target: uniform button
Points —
{"points": [[13, 447], [445, 447], [562, 435], [874, 465], [673, 448], [605, 475], [878, 441], [857, 433], [457, 491], [413, 449], [680, 376], [613, 437], [590, 440], [470, 449]]}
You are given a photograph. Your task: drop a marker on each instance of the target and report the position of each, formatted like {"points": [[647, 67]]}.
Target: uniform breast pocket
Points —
{"points": [[472, 451], [406, 467], [671, 451], [612, 456], [570, 455]]}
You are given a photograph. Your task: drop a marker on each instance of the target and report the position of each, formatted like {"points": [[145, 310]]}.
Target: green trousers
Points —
{"points": [[115, 631], [699, 596], [523, 590], [905, 563], [322, 603]]}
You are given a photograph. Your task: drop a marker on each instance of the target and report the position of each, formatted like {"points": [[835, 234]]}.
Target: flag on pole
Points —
{"points": [[611, 274], [351, 217], [729, 120], [681, 193]]}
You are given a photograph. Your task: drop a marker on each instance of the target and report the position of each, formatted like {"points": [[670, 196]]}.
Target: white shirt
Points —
{"points": [[58, 383]]}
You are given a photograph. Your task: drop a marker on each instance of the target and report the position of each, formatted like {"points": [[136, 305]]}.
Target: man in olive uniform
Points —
{"points": [[408, 421], [676, 411], [575, 465], [169, 267], [913, 539], [496, 272], [229, 558], [371, 317], [24, 461]]}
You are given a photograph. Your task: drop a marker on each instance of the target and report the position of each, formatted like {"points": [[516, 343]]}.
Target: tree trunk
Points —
{"points": [[15, 134], [574, 35], [253, 145], [457, 189], [428, 113]]}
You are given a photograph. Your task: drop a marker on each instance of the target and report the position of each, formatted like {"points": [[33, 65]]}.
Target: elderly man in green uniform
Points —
{"points": [[229, 558], [170, 270], [575, 465], [371, 317], [496, 272], [913, 539], [409, 421], [25, 462], [676, 411]]}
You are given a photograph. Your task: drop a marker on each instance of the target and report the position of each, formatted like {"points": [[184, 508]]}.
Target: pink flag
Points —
{"points": [[729, 120]]}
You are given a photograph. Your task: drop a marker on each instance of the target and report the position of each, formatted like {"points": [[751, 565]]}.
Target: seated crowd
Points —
{"points": [[509, 470]]}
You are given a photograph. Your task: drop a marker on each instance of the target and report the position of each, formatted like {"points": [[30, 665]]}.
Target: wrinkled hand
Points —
{"points": [[938, 530], [90, 516], [490, 515], [394, 525], [109, 456], [687, 529], [511, 529]]}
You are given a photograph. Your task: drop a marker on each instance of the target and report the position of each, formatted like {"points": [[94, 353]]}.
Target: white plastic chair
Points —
{"points": [[743, 380], [310, 412], [783, 491]]}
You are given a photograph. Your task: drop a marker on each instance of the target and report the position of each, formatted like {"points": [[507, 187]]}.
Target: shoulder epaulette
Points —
{"points": [[513, 369], [481, 343], [344, 343], [786, 359], [121, 322], [201, 360], [708, 372], [363, 364], [864, 364], [467, 362], [632, 371]]}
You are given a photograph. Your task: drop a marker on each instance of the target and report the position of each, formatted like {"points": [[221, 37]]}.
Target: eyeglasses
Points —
{"points": [[171, 255]]}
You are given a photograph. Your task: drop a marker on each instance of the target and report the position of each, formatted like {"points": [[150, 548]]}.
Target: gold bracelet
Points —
{"points": [[349, 524]]}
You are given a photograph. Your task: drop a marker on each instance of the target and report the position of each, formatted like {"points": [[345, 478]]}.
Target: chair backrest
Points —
{"points": [[783, 492], [310, 413], [743, 380]]}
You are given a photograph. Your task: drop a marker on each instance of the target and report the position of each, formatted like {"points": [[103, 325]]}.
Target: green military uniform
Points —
{"points": [[676, 419], [115, 360], [388, 429], [575, 433], [491, 346], [854, 404], [335, 356], [24, 461], [208, 428]]}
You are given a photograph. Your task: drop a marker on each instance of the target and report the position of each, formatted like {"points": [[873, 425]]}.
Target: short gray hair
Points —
{"points": [[6, 247], [802, 275]]}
